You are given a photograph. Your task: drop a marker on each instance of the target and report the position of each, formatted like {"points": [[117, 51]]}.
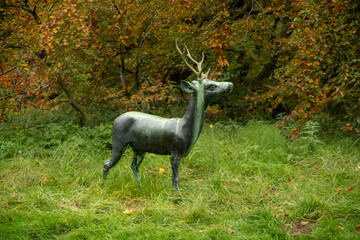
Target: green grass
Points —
{"points": [[238, 182]]}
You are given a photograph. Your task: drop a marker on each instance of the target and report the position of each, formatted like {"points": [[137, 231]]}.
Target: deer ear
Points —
{"points": [[188, 87]]}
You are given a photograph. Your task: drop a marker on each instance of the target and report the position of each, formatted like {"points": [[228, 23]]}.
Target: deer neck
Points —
{"points": [[193, 120]]}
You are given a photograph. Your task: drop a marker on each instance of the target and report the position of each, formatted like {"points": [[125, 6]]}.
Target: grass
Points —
{"points": [[238, 182]]}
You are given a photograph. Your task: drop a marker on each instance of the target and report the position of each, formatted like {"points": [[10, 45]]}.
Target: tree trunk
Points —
{"points": [[76, 105], [122, 74]]}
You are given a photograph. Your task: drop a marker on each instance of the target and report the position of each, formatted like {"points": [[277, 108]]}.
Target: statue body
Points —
{"points": [[166, 136]]}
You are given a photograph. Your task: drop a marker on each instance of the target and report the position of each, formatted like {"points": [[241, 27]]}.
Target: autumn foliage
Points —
{"points": [[299, 58]]}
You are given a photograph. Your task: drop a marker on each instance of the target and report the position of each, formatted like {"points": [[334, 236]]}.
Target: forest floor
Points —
{"points": [[243, 182]]}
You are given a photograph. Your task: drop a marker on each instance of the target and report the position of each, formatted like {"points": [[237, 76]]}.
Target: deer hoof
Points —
{"points": [[105, 174]]}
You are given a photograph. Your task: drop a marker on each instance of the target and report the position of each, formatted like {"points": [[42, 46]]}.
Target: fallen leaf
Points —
{"points": [[289, 179], [161, 170], [230, 230], [357, 231], [339, 189], [304, 223], [10, 219], [350, 189], [127, 212], [45, 180], [313, 173], [341, 227], [75, 204]]}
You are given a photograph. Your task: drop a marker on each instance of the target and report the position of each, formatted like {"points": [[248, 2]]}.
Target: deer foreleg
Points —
{"points": [[115, 157], [138, 158], [175, 162]]}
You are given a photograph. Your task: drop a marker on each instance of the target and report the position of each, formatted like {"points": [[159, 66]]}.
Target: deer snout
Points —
{"points": [[229, 87]]}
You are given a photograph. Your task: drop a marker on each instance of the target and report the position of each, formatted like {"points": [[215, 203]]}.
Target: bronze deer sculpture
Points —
{"points": [[167, 136]]}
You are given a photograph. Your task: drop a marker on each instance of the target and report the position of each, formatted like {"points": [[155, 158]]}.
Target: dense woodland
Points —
{"points": [[299, 60]]}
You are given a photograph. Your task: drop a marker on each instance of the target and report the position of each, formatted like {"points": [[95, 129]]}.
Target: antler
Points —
{"points": [[199, 73]]}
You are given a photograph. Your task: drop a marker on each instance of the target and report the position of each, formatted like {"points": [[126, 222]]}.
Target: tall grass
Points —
{"points": [[243, 182]]}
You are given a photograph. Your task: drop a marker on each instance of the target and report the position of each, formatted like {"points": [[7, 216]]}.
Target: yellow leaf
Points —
{"points": [[161, 170], [45, 180], [127, 212]]}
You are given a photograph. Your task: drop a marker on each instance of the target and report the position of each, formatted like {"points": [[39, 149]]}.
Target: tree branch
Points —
{"points": [[26, 7], [3, 73]]}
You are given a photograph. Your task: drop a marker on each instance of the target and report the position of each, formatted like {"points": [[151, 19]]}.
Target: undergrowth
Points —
{"points": [[242, 182]]}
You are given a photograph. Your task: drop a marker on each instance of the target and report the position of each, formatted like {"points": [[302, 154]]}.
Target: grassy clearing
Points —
{"points": [[238, 182]]}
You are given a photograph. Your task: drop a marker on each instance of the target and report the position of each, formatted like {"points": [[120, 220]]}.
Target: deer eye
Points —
{"points": [[212, 87]]}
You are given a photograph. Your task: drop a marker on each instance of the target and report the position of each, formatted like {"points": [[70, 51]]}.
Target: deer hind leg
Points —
{"points": [[138, 158], [116, 154], [175, 162]]}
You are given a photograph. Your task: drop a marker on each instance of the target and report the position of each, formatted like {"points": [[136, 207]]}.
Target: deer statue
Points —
{"points": [[167, 136]]}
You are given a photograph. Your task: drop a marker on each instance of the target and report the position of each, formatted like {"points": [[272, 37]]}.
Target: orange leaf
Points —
{"points": [[75, 204]]}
